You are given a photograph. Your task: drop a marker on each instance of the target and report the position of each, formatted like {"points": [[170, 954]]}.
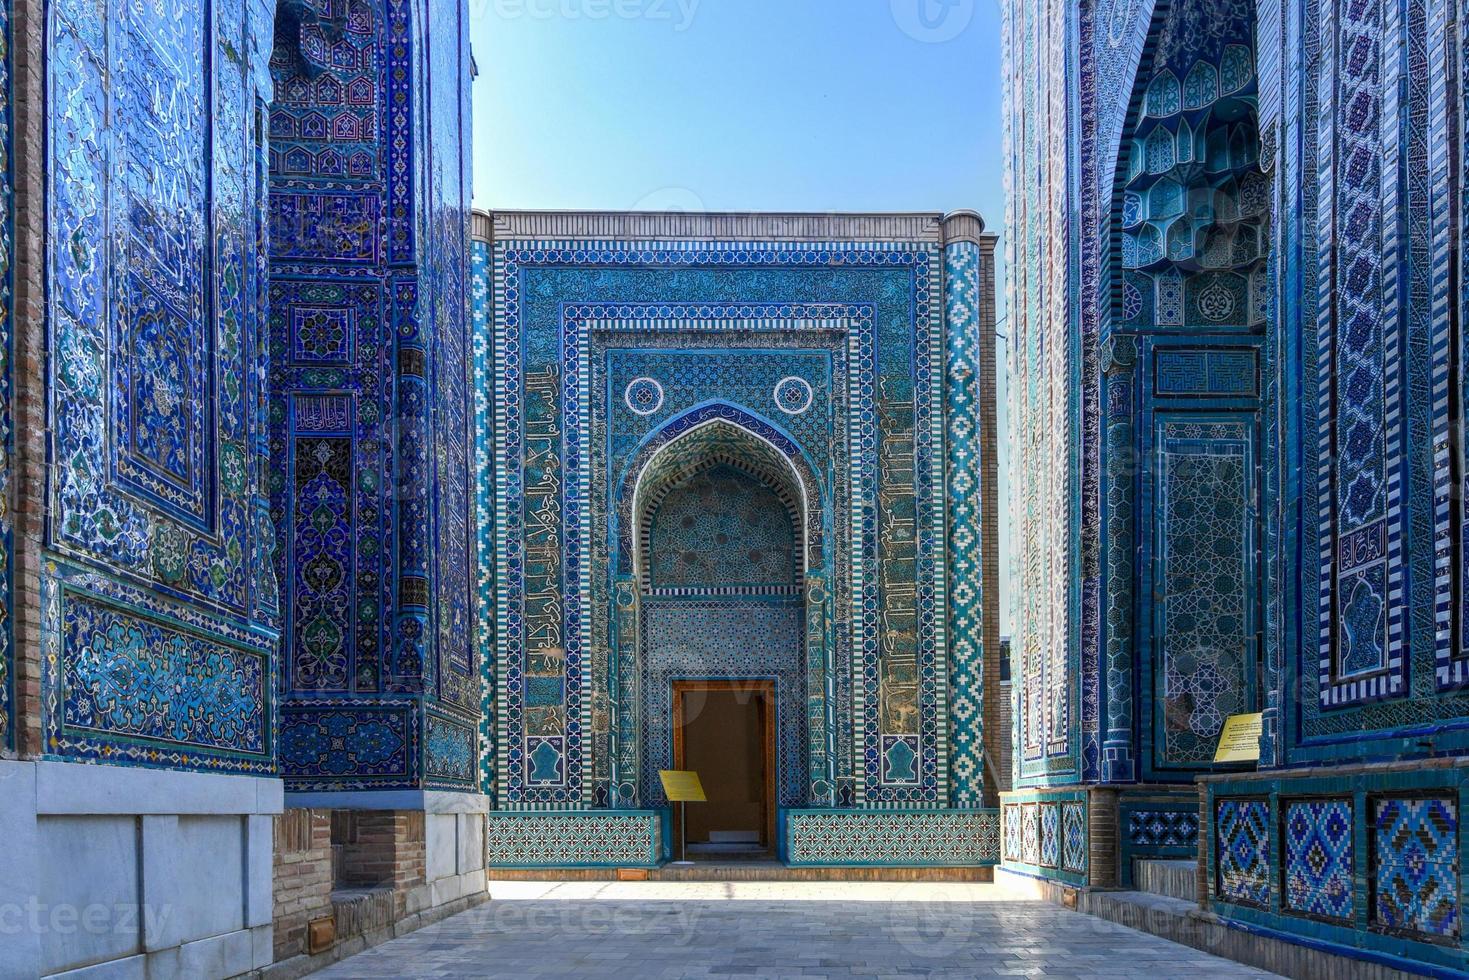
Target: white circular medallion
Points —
{"points": [[644, 396], [792, 395]]}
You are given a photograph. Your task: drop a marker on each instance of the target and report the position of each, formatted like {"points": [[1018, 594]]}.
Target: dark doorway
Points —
{"points": [[725, 731]]}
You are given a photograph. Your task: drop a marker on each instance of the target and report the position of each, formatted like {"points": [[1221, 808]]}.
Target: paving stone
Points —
{"points": [[764, 930]]}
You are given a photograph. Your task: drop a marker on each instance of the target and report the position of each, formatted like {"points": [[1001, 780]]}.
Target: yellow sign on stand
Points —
{"points": [[1240, 740], [682, 786]]}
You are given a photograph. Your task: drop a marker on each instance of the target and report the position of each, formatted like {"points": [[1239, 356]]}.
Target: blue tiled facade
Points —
{"points": [[369, 335], [1235, 291], [158, 629], [736, 459], [255, 508]]}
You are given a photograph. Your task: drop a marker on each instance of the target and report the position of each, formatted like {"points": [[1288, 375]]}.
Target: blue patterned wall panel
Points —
{"points": [[891, 838], [1377, 387], [1046, 834], [334, 742], [370, 390], [578, 839], [722, 527], [1319, 858], [1204, 588], [484, 528], [1361, 343], [724, 639], [1242, 831], [155, 357], [1415, 855]]}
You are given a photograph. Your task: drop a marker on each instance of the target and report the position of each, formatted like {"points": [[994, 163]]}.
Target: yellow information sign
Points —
{"points": [[682, 786], [1240, 740]]}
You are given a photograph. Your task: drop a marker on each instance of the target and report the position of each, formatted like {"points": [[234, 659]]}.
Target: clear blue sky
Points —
{"points": [[792, 105]]}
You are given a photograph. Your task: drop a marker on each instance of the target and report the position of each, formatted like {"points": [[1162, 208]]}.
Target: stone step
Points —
{"points": [[1171, 879], [743, 871]]}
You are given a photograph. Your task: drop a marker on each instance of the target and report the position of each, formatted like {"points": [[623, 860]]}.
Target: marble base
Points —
{"points": [[123, 872]]}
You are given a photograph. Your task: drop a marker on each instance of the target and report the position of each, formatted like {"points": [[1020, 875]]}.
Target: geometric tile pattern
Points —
{"points": [[571, 839], [892, 838], [966, 572], [1162, 828], [1012, 841], [1046, 835], [727, 638], [370, 397], [1073, 837], [1242, 841], [1318, 857], [1205, 613], [1415, 861], [1030, 834], [1050, 849]]}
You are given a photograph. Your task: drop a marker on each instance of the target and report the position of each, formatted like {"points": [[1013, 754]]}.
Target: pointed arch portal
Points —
{"points": [[721, 571]]}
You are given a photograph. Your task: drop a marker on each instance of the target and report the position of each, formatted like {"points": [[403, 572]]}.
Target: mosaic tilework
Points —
{"points": [[154, 371], [588, 839], [6, 330], [334, 742], [966, 567], [891, 838], [726, 639], [1205, 537], [451, 753], [1415, 861], [146, 682], [1242, 855], [370, 395], [722, 527], [131, 680], [1047, 833], [484, 512], [1319, 858], [895, 695], [1163, 828], [1073, 837], [1043, 365], [1050, 831]]}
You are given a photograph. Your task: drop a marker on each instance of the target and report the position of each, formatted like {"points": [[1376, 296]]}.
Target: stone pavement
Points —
{"points": [[637, 930]]}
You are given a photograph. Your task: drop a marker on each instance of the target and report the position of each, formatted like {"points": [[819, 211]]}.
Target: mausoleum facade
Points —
{"points": [[1237, 383], [739, 448]]}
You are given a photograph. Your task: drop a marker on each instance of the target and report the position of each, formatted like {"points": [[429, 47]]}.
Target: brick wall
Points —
{"points": [[303, 876], [28, 477], [380, 848]]}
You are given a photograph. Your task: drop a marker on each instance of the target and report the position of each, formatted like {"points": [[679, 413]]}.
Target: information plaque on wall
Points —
{"points": [[1240, 740]]}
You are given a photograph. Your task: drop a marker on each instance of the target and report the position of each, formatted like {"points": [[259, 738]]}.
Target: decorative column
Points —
{"points": [[973, 526], [1119, 368], [820, 694], [626, 756], [370, 377]]}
